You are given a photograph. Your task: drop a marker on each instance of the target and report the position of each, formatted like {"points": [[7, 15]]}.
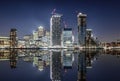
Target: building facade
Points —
{"points": [[41, 32], [88, 37], [13, 38], [4, 42], [55, 29], [35, 35], [81, 28], [67, 37]]}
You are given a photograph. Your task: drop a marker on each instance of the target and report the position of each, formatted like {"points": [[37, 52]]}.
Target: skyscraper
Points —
{"points": [[88, 37], [35, 35], [41, 32], [81, 29], [56, 29], [13, 36], [67, 37]]}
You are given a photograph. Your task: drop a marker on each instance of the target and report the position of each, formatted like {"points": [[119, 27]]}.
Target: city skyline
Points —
{"points": [[26, 16]]}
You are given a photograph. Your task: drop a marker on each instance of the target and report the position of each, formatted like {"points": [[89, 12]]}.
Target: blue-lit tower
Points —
{"points": [[81, 28], [67, 37]]}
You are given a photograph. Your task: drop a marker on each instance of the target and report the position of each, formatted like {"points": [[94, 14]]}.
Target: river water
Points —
{"points": [[59, 65]]}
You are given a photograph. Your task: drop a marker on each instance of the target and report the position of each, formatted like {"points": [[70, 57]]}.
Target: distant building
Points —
{"points": [[35, 35], [27, 39], [88, 37], [13, 38], [21, 43], [4, 42], [41, 32], [81, 28], [56, 29], [67, 37]]}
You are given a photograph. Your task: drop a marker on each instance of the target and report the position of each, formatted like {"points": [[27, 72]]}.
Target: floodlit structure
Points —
{"points": [[88, 37], [55, 30], [13, 36], [67, 37], [81, 28], [41, 31], [35, 35], [4, 42]]}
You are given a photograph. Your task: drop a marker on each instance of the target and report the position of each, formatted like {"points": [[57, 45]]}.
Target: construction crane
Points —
{"points": [[53, 12], [65, 25]]}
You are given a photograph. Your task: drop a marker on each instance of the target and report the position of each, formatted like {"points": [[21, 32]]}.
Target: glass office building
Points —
{"points": [[81, 29], [67, 37], [56, 29]]}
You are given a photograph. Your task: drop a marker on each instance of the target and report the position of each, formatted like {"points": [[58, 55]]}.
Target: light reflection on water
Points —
{"points": [[59, 65]]}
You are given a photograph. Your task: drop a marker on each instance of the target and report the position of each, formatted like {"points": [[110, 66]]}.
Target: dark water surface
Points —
{"points": [[59, 65]]}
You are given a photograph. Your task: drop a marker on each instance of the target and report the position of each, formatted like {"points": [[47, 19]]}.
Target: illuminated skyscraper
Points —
{"points": [[55, 29], [35, 35], [81, 28], [88, 37], [67, 37], [13, 36], [41, 32]]}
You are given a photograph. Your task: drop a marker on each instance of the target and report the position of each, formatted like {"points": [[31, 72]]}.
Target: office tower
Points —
{"points": [[13, 36], [88, 37], [41, 32], [35, 35], [67, 37], [27, 39], [55, 30], [81, 28], [4, 42], [55, 65]]}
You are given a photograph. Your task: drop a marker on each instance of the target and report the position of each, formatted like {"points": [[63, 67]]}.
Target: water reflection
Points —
{"points": [[55, 65], [82, 66], [63, 65], [67, 59], [13, 58], [85, 59]]}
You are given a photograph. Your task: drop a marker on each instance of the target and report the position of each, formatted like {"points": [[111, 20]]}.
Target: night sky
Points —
{"points": [[103, 16]]}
